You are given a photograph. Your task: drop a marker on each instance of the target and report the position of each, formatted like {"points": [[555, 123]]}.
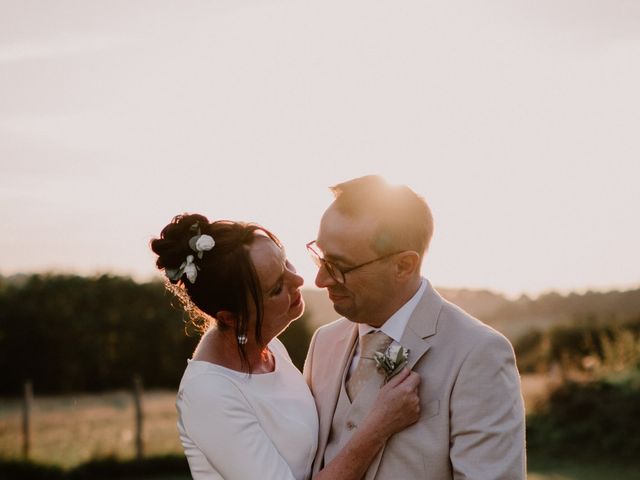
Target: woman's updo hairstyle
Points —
{"points": [[226, 277]]}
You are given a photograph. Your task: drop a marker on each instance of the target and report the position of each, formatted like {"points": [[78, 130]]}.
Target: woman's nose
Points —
{"points": [[296, 280]]}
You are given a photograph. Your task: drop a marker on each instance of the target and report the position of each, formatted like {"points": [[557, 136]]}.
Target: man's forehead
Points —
{"points": [[335, 217], [342, 236]]}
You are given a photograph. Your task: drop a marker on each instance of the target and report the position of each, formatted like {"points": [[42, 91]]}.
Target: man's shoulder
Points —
{"points": [[452, 317], [339, 326]]}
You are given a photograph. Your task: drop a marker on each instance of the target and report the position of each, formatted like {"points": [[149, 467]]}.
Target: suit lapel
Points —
{"points": [[422, 325]]}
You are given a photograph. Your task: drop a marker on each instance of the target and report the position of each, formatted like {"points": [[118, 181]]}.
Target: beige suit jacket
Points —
{"points": [[472, 416]]}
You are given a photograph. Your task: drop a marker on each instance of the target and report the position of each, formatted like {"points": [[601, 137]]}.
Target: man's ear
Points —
{"points": [[407, 265], [226, 318]]}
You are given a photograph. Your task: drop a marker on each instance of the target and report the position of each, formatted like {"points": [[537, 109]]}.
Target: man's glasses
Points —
{"points": [[337, 273]]}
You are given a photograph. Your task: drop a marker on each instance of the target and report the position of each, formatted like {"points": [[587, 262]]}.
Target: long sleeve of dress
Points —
{"points": [[222, 424]]}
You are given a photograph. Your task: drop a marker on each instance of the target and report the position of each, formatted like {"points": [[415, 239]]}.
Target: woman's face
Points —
{"points": [[282, 300]]}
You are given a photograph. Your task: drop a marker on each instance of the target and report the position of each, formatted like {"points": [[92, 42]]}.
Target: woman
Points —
{"points": [[244, 409]]}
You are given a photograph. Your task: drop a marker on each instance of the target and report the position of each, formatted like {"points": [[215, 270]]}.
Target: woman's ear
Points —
{"points": [[226, 318], [407, 265]]}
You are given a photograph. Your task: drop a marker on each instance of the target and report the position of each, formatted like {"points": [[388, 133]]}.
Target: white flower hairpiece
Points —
{"points": [[187, 267], [198, 243], [201, 244]]}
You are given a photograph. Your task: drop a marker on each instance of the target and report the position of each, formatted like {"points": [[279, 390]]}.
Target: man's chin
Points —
{"points": [[338, 305], [344, 310], [339, 310]]}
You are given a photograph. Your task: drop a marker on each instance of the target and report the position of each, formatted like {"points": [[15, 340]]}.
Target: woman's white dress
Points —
{"points": [[236, 426]]}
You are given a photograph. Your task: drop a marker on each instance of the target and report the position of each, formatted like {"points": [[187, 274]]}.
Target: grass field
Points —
{"points": [[575, 472], [545, 469], [74, 429]]}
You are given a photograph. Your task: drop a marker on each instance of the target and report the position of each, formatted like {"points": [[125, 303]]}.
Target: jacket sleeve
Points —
{"points": [[487, 414]]}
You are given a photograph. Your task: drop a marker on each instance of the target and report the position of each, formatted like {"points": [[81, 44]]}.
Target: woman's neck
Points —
{"points": [[220, 347]]}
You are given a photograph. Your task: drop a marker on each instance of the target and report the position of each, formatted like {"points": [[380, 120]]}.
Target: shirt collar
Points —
{"points": [[396, 323]]}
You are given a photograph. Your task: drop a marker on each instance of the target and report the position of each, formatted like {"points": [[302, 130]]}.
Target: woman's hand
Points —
{"points": [[397, 405]]}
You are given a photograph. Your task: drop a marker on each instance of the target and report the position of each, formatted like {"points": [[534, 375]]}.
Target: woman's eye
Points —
{"points": [[277, 290]]}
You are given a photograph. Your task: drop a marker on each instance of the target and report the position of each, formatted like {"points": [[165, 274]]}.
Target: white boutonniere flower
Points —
{"points": [[392, 360]]}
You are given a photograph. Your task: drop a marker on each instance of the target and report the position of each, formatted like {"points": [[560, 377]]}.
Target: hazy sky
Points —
{"points": [[519, 122]]}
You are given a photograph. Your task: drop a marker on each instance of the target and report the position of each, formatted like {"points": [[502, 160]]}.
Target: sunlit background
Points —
{"points": [[519, 123]]}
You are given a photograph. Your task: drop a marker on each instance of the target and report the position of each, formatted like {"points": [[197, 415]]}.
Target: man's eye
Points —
{"points": [[338, 266]]}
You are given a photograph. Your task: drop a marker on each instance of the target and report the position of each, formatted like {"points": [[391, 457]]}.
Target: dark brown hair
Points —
{"points": [[226, 277], [405, 220]]}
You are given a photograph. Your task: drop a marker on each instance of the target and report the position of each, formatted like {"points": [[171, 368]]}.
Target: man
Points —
{"points": [[370, 247]]}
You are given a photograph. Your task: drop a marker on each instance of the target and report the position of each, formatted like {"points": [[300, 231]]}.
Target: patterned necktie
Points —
{"points": [[369, 344]]}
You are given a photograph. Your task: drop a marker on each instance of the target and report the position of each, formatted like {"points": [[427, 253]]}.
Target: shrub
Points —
{"points": [[585, 419], [111, 468], [24, 470], [96, 470]]}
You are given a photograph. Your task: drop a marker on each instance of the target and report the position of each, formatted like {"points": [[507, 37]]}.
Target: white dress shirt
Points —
{"points": [[394, 326]]}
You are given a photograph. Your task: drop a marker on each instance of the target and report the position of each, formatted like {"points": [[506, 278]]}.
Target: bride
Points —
{"points": [[244, 410]]}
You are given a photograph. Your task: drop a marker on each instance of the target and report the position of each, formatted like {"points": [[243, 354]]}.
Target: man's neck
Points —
{"points": [[400, 298]]}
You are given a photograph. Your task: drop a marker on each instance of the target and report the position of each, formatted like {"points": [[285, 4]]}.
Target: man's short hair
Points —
{"points": [[405, 220]]}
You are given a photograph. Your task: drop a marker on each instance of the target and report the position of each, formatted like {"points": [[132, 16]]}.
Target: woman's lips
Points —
{"points": [[297, 301]]}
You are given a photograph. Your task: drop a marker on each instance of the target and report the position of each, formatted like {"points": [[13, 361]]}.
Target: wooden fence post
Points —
{"points": [[137, 402], [27, 403]]}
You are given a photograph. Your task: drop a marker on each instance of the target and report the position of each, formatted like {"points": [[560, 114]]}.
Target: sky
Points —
{"points": [[519, 123]]}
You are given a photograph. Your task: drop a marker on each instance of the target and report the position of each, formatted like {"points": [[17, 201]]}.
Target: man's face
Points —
{"points": [[346, 242]]}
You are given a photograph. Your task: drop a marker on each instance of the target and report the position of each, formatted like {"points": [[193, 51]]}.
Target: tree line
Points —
{"points": [[69, 333]]}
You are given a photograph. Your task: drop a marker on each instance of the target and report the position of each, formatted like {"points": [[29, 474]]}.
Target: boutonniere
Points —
{"points": [[392, 360]]}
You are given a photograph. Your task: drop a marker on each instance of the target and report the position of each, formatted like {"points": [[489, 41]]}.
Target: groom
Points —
{"points": [[370, 246]]}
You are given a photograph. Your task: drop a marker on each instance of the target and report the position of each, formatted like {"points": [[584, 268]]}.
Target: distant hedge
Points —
{"points": [[569, 345], [96, 470], [599, 419], [69, 333]]}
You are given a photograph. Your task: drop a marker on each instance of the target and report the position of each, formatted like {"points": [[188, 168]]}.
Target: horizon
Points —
{"points": [[159, 277]]}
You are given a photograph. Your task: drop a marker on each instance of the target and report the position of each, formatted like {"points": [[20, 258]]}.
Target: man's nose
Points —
{"points": [[323, 279]]}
